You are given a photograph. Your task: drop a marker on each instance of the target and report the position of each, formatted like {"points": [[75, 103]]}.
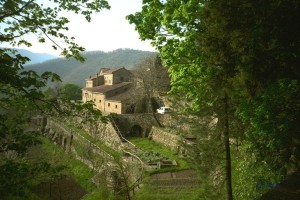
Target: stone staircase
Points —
{"points": [[176, 180]]}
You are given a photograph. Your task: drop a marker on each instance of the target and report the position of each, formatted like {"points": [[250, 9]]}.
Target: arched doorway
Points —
{"points": [[136, 131]]}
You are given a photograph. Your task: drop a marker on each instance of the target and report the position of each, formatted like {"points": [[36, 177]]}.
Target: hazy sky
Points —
{"points": [[108, 30]]}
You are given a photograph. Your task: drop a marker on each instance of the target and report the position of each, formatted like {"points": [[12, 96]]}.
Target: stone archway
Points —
{"points": [[136, 130]]}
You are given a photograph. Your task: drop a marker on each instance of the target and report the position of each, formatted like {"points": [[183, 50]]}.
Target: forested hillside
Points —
{"points": [[72, 71]]}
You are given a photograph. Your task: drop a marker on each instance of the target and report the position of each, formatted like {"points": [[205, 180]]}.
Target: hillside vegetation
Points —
{"points": [[72, 71]]}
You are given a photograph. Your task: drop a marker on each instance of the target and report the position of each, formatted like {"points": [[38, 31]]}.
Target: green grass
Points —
{"points": [[74, 168], [151, 192], [81, 173], [100, 194], [149, 145]]}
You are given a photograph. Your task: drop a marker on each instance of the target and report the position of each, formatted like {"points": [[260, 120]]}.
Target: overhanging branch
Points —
{"points": [[17, 11]]}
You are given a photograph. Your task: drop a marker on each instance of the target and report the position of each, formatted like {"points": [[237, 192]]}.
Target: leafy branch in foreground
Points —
{"points": [[21, 91], [23, 18]]}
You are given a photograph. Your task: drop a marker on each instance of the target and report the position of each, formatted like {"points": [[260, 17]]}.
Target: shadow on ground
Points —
{"points": [[62, 188]]}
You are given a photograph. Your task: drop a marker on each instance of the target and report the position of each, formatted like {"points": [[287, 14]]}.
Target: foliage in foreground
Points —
{"points": [[21, 91], [233, 61], [252, 177]]}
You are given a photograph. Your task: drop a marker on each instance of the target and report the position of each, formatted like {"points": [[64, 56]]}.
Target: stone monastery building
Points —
{"points": [[110, 90]]}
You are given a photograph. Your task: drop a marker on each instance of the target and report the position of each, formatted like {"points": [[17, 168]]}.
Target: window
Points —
{"points": [[95, 100], [99, 100], [116, 106], [108, 104]]}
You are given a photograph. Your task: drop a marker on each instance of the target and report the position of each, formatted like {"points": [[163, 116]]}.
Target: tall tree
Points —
{"points": [[175, 28], [21, 91], [221, 53], [151, 79]]}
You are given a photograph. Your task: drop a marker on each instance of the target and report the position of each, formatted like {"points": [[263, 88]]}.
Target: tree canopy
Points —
{"points": [[227, 59]]}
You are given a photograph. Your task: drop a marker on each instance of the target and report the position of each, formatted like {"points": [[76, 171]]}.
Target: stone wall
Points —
{"points": [[104, 132], [69, 139], [165, 138], [180, 123], [90, 154], [127, 122]]}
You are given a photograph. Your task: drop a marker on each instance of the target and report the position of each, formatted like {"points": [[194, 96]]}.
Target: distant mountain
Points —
{"points": [[35, 57], [72, 71]]}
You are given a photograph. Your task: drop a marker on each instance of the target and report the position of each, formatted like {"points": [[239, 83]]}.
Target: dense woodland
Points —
{"points": [[231, 62]]}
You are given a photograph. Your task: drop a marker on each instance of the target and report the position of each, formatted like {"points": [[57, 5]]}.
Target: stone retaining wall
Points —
{"points": [[104, 132], [127, 122], [165, 138], [87, 152], [70, 139]]}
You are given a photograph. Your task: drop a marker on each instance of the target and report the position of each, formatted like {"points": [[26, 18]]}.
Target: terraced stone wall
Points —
{"points": [[165, 138], [105, 133], [127, 122]]}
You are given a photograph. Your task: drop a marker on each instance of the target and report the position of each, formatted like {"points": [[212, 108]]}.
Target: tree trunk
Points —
{"points": [[153, 111], [227, 150]]}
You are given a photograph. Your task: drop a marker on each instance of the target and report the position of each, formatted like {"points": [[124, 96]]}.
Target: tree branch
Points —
{"points": [[17, 11]]}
